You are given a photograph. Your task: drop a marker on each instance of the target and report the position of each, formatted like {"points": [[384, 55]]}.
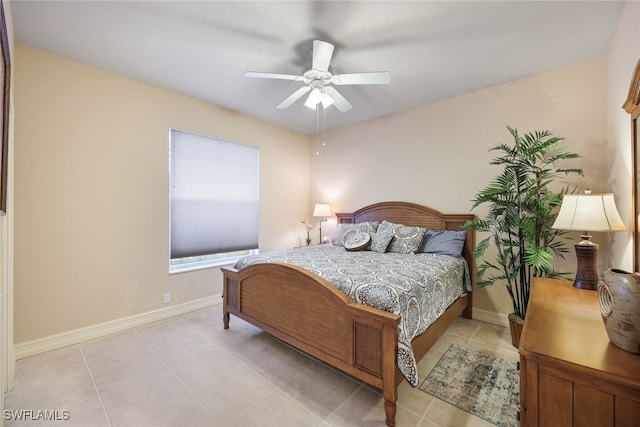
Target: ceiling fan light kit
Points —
{"points": [[318, 79], [317, 96]]}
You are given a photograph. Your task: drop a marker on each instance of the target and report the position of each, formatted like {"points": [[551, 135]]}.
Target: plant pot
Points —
{"points": [[619, 299], [515, 326]]}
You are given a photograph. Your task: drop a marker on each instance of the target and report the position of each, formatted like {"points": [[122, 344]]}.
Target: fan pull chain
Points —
{"points": [[317, 131], [324, 126]]}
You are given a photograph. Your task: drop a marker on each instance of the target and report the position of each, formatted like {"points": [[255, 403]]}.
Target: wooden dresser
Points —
{"points": [[570, 374]]}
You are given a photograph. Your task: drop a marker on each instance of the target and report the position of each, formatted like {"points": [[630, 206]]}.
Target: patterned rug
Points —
{"points": [[483, 385]]}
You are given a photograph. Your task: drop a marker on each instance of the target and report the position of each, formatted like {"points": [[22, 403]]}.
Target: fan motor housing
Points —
{"points": [[313, 75]]}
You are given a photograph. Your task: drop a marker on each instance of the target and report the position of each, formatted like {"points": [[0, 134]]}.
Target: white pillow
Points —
{"points": [[343, 229], [356, 240]]}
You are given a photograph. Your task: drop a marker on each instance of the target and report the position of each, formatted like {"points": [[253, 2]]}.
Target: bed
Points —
{"points": [[308, 312]]}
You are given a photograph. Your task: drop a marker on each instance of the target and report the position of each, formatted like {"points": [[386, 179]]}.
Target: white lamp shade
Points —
{"points": [[322, 210], [314, 98], [589, 212], [327, 101]]}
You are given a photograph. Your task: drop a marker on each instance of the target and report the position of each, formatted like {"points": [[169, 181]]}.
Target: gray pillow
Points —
{"points": [[343, 229], [380, 241], [406, 239], [445, 242]]}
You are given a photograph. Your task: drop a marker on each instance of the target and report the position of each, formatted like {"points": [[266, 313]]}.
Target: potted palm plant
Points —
{"points": [[521, 210]]}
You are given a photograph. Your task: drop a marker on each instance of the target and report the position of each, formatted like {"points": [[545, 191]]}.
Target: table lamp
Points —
{"points": [[322, 211], [588, 212]]}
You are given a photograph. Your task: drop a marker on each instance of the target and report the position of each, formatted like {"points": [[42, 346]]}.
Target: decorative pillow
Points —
{"points": [[380, 241], [406, 239], [343, 229], [356, 240], [445, 242]]}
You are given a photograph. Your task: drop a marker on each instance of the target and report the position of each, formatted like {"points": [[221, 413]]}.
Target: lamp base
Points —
{"points": [[321, 221], [587, 273]]}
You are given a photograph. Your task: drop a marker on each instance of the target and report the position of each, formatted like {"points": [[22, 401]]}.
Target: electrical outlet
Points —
{"points": [[166, 298]]}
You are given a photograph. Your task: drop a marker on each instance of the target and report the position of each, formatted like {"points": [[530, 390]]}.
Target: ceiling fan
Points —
{"points": [[319, 77]]}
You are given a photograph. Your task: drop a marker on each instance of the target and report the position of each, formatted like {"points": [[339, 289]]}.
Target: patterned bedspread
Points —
{"points": [[418, 287]]}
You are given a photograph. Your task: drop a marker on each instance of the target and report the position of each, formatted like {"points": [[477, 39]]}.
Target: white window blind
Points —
{"points": [[214, 195]]}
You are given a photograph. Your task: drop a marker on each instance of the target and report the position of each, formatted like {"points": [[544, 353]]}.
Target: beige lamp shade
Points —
{"points": [[322, 210], [589, 212]]}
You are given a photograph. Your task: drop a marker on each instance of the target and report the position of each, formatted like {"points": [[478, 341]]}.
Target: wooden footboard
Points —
{"points": [[309, 313]]}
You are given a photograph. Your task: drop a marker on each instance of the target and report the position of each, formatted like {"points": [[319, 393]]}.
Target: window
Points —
{"points": [[214, 201]]}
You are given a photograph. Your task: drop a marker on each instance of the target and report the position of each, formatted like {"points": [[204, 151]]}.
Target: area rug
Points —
{"points": [[483, 385]]}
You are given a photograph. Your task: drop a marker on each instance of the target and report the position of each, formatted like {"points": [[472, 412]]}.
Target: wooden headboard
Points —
{"points": [[419, 216]]}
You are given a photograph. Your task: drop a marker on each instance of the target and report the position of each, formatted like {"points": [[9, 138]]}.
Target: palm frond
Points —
{"points": [[521, 209]]}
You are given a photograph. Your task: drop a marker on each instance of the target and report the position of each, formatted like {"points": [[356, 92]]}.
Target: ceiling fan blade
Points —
{"points": [[322, 53], [376, 78], [294, 97], [272, 76], [338, 100]]}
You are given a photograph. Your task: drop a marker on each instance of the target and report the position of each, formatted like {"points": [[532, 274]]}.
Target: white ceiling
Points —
{"points": [[433, 49]]}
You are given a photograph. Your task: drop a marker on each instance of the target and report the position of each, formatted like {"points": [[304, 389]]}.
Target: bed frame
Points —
{"points": [[309, 313]]}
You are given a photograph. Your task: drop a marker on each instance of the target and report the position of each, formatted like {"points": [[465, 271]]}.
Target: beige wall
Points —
{"points": [[623, 56], [91, 177], [91, 193], [437, 154]]}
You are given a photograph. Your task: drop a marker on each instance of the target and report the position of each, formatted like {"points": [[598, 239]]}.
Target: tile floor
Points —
{"points": [[189, 371]]}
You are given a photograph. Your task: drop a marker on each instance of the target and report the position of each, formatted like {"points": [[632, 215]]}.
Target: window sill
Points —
{"points": [[186, 268]]}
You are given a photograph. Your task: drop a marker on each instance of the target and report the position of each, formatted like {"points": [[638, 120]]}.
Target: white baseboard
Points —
{"points": [[76, 336], [491, 317]]}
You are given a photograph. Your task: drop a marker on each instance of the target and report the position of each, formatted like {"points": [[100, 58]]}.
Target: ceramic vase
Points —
{"points": [[619, 298]]}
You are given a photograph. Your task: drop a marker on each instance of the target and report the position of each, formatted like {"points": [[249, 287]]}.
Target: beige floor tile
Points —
{"points": [[232, 392], [113, 347], [413, 398], [185, 411], [210, 317], [494, 340], [186, 347], [216, 366], [251, 344], [366, 408], [446, 340], [51, 390], [131, 386], [270, 358], [445, 415], [320, 389], [276, 410], [464, 328], [32, 393], [134, 396], [106, 374], [53, 364], [490, 334], [175, 331], [88, 413]]}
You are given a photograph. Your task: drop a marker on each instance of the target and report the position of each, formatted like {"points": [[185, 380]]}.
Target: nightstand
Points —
{"points": [[570, 374]]}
